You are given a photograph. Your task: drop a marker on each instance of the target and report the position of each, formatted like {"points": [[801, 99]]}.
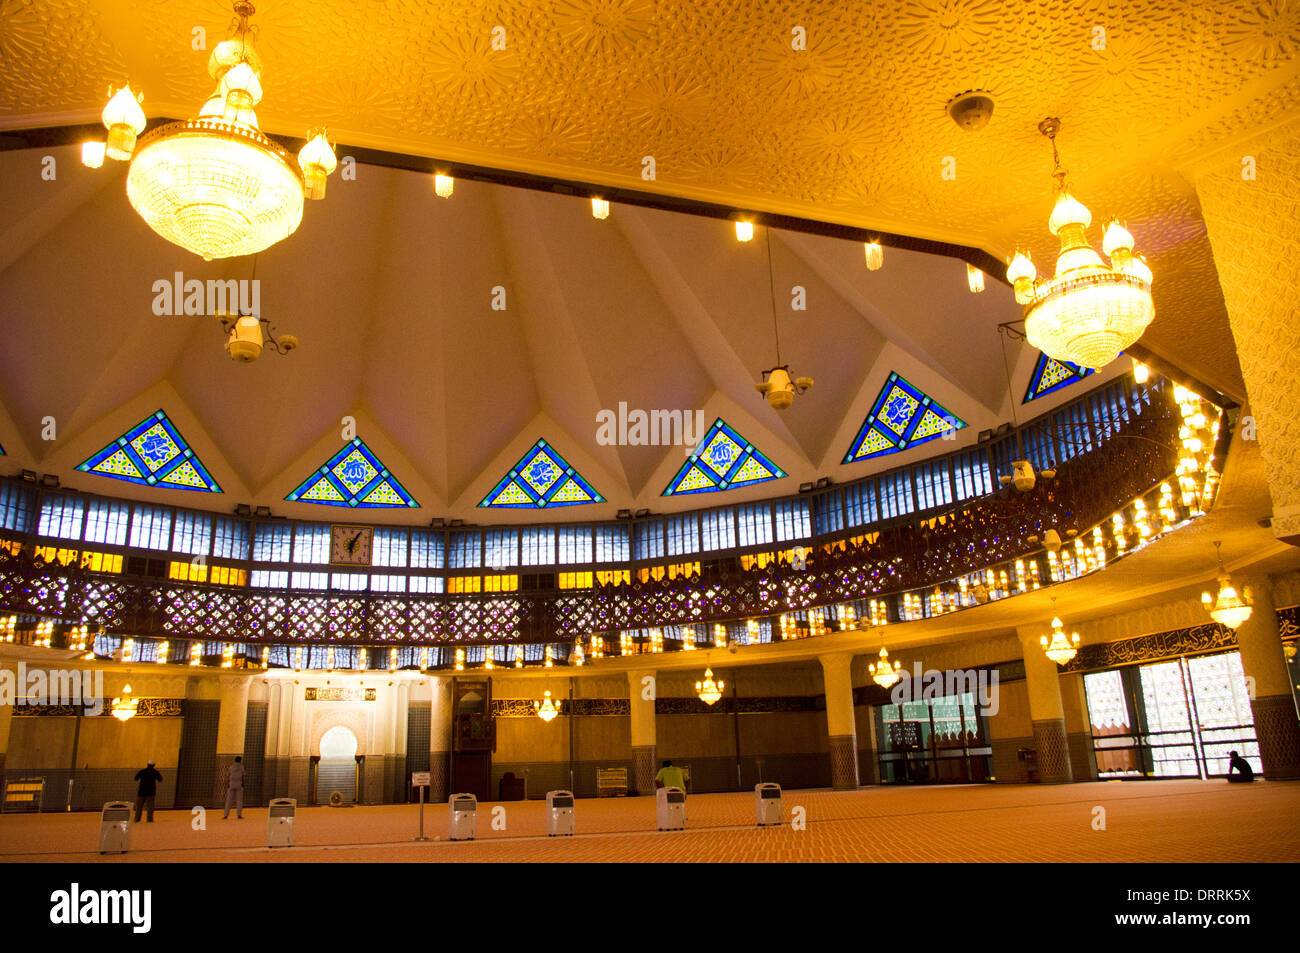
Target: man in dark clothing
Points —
{"points": [[148, 777], [1239, 764]]}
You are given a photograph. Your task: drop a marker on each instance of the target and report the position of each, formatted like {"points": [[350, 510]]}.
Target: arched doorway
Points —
{"points": [[337, 770]]}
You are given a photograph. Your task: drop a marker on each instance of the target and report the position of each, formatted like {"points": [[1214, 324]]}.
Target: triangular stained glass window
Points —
{"points": [[901, 417], [542, 478], [152, 453], [1051, 374], [353, 477], [723, 460]]}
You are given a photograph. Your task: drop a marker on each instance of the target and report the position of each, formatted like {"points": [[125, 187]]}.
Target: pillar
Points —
{"points": [[1046, 710], [271, 761], [1249, 192], [1276, 727], [440, 739], [641, 700], [841, 730], [6, 719], [230, 729]]}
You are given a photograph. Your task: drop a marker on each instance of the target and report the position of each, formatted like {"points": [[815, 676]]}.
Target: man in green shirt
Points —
{"points": [[670, 777]]}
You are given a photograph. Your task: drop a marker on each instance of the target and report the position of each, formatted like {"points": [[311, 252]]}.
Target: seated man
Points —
{"points": [[670, 777], [1239, 764]]}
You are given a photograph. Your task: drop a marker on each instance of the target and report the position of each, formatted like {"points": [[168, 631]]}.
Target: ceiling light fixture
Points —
{"points": [[599, 208], [875, 253], [546, 708], [882, 673], [974, 279], [1060, 648], [744, 230], [125, 707], [215, 184], [1226, 607], [709, 690], [1088, 313], [777, 385], [443, 185]]}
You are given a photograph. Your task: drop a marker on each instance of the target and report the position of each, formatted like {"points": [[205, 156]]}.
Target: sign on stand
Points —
{"points": [[420, 779]]}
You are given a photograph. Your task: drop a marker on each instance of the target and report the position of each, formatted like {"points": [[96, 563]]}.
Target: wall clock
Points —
{"points": [[351, 545]]}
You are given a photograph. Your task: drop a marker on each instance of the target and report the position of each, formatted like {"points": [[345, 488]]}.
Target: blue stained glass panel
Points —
{"points": [[901, 417], [353, 477], [152, 453], [542, 478], [1051, 375], [723, 460]]}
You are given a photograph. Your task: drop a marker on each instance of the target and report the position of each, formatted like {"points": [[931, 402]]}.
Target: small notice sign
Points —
{"points": [[419, 779]]}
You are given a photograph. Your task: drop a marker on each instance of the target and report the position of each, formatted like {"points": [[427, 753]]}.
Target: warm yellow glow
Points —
{"points": [[1060, 648], [744, 230], [92, 153], [124, 120], [974, 279], [599, 209], [719, 635], [196, 655], [1227, 607], [1022, 273], [550, 658], [1140, 371], [1089, 317], [546, 708], [443, 185], [875, 255], [579, 656], [214, 190], [709, 690], [424, 659], [128, 650], [882, 673], [460, 660], [317, 161], [392, 659], [124, 706]]}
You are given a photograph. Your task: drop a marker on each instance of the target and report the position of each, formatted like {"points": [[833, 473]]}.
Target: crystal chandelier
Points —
{"points": [[1060, 648], [1226, 607], [882, 673], [709, 690], [546, 708], [125, 707], [215, 184], [1089, 312]]}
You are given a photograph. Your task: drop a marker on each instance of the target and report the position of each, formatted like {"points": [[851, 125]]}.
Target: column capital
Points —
{"points": [[836, 661]]}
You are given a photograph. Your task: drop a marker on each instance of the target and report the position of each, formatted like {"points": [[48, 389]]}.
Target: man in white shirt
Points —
{"points": [[235, 789]]}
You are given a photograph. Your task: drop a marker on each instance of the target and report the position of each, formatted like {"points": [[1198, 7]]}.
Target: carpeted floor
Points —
{"points": [[1144, 821]]}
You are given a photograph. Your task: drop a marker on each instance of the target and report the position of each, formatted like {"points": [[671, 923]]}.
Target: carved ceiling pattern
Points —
{"points": [[849, 128]]}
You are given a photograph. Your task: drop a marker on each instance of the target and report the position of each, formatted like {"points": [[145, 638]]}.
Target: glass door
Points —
{"points": [[1169, 736], [1175, 719], [1223, 711]]}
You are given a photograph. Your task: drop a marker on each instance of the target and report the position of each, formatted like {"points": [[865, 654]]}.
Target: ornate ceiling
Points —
{"points": [[850, 129]]}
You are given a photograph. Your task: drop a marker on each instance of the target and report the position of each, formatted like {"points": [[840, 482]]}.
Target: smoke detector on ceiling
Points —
{"points": [[971, 110]]}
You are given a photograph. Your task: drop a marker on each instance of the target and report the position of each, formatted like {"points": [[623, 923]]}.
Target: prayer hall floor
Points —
{"points": [[1168, 821]]}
